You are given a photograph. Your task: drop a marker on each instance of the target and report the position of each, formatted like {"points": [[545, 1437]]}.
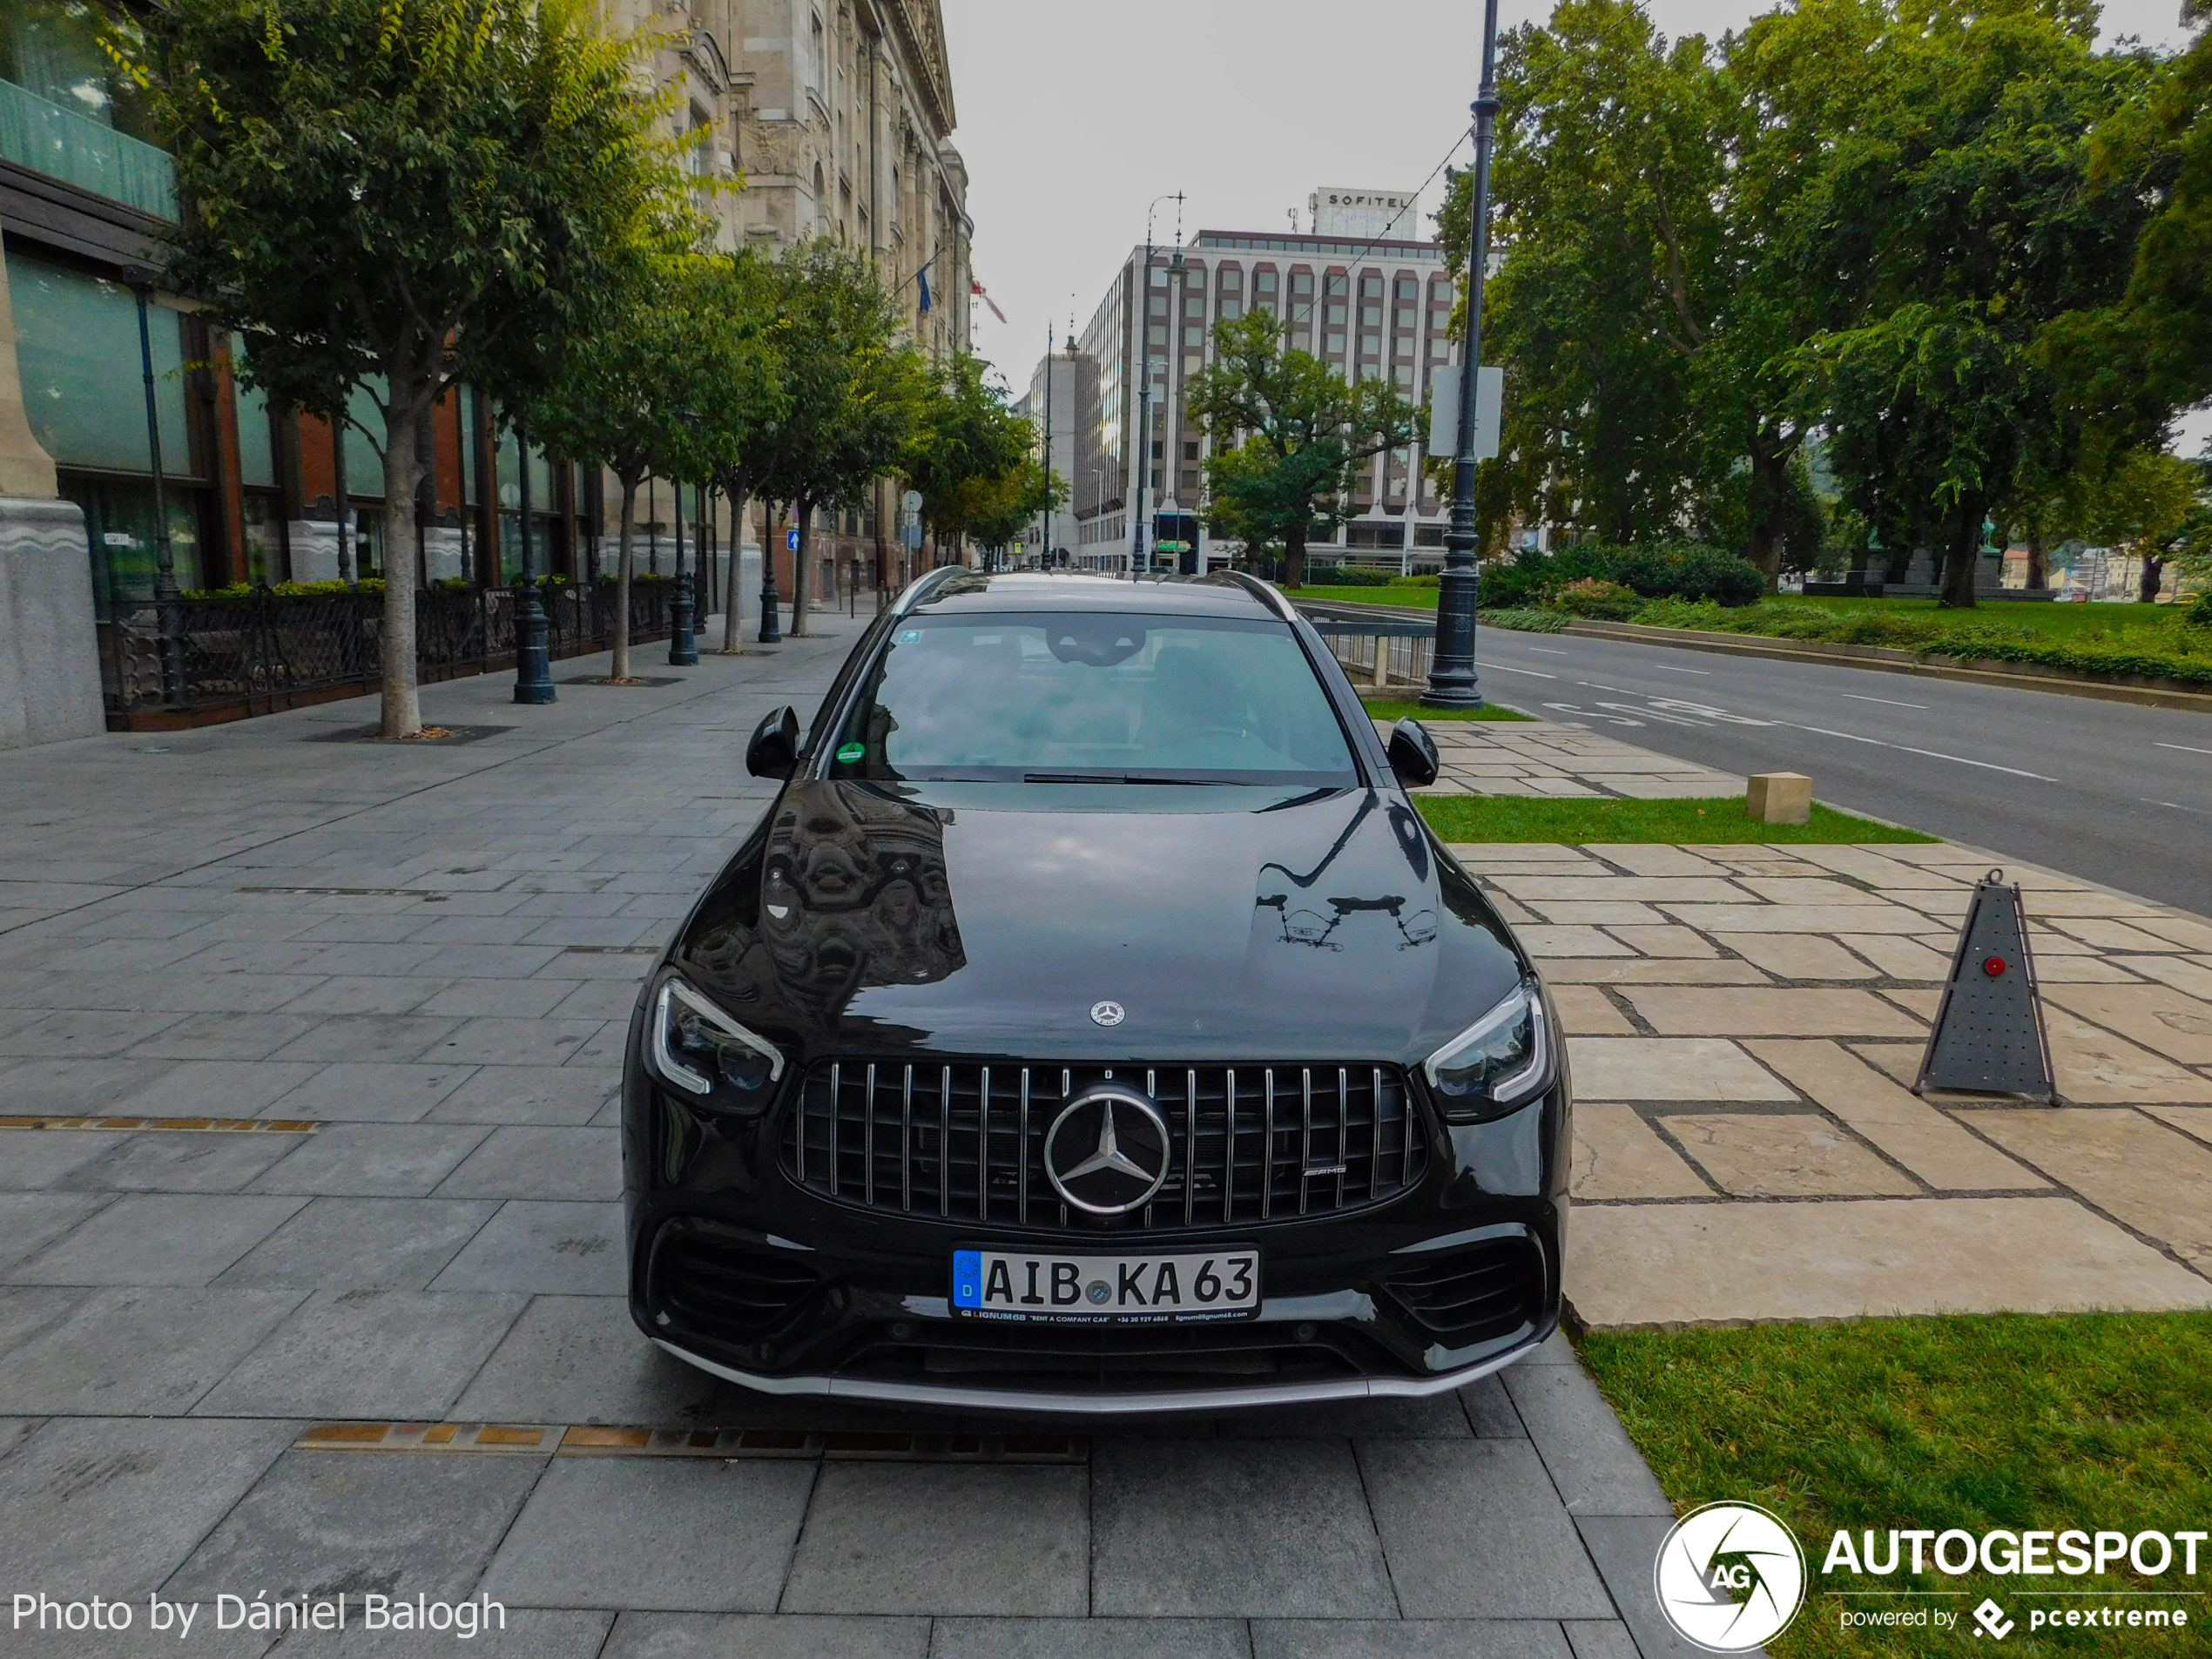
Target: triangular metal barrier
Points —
{"points": [[1988, 1037]]}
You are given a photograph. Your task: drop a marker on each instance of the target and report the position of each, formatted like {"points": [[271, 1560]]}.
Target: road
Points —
{"points": [[2106, 791]]}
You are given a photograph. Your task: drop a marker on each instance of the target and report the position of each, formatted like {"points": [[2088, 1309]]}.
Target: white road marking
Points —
{"points": [[1907, 748], [1548, 651], [1892, 701], [1671, 669], [2179, 746], [1507, 668], [2176, 805]]}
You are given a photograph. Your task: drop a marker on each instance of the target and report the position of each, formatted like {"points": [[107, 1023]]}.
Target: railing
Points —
{"points": [[268, 651], [42, 136], [1375, 647]]}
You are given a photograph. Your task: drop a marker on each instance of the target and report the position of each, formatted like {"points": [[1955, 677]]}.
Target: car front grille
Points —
{"points": [[1469, 1296], [964, 1142]]}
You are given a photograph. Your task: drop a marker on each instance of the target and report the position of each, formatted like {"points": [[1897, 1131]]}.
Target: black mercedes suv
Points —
{"points": [[1092, 1024]]}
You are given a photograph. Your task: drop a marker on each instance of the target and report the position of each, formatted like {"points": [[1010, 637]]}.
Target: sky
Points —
{"points": [[1071, 121]]}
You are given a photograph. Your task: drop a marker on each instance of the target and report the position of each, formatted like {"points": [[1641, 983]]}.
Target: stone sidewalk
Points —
{"points": [[386, 988], [1745, 1022]]}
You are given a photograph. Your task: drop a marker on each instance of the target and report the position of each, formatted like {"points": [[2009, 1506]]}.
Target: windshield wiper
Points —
{"points": [[1110, 778]]}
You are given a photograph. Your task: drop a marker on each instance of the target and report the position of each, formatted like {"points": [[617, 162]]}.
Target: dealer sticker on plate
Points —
{"points": [[1106, 1290]]}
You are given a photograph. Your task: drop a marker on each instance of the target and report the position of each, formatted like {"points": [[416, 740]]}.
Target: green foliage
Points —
{"points": [[1525, 620], [1395, 709], [1349, 575], [2013, 1421], [1287, 433], [1595, 598], [1664, 569], [1585, 821], [973, 460]]}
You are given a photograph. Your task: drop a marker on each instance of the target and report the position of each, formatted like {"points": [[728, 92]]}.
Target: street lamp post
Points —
{"points": [[1452, 680], [533, 665], [771, 629], [1139, 551]]}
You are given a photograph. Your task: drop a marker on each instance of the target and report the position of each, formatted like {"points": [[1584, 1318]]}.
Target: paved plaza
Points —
{"points": [[360, 1326]]}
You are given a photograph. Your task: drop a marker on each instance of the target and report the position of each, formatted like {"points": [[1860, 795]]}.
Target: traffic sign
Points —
{"points": [[911, 501], [791, 541]]}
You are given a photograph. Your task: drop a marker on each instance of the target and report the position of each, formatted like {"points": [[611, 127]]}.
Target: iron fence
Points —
{"points": [[265, 650]]}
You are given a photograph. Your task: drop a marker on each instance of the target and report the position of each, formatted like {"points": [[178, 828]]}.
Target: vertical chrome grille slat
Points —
{"points": [[1363, 1134]]}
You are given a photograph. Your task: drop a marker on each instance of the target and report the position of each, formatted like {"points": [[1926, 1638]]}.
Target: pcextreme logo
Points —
{"points": [[1729, 1577]]}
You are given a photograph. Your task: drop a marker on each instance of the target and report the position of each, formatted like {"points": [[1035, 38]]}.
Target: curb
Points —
{"points": [[1890, 660]]}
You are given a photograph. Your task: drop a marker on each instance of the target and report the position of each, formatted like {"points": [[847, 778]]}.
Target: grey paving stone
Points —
{"points": [[320, 1523], [492, 961], [580, 1359], [1247, 1528], [381, 1354], [373, 1160], [1018, 1638], [1624, 1547], [360, 1243], [669, 1532], [179, 1161], [529, 999], [945, 1539], [506, 928], [1599, 1639], [370, 1092], [538, 1162], [14, 1430], [543, 1248], [26, 1311], [365, 993], [214, 1089], [157, 1238], [494, 1042], [138, 1351], [1592, 1461], [385, 1037], [33, 1159], [110, 1506], [1409, 1639], [73, 1034], [521, 1633], [1490, 1409], [765, 1635], [1436, 1417], [598, 999], [1473, 1529], [550, 1095], [68, 1088], [602, 931], [224, 1036]]}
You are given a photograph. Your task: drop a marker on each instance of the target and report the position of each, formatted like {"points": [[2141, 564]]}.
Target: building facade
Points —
{"points": [[1057, 385], [1370, 306], [114, 396]]}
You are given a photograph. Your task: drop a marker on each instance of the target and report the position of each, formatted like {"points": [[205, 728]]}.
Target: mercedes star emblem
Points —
{"points": [[1107, 1013], [1106, 1152]]}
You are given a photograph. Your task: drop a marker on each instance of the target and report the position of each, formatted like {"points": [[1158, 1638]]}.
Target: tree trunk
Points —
{"points": [[626, 561], [805, 515], [2039, 570], [1900, 560], [1294, 557], [1965, 555], [2153, 572], [1770, 477], [740, 516], [402, 469]]}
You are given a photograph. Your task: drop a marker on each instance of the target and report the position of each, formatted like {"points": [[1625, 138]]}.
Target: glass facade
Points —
{"points": [[83, 384], [67, 111]]}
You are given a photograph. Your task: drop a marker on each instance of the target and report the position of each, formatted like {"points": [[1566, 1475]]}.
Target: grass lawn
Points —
{"points": [[2098, 1421], [1417, 598], [1388, 708], [2077, 624], [1580, 820]]}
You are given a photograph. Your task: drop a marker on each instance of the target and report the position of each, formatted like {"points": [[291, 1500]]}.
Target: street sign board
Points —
{"points": [[791, 541], [1444, 411], [911, 501], [910, 534]]}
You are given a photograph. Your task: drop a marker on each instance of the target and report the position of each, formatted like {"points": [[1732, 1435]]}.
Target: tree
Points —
{"points": [[402, 194], [847, 390], [1959, 207], [1287, 434], [966, 453]]}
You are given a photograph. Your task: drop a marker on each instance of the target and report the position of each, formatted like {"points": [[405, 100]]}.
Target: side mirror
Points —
{"points": [[774, 749], [1413, 753]]}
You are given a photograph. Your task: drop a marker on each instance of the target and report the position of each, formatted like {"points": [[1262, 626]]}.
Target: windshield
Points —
{"points": [[1084, 698]]}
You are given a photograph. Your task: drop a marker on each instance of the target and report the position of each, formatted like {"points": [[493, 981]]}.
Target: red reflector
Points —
{"points": [[1993, 965]]}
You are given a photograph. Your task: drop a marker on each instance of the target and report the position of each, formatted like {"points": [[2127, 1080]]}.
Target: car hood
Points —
{"points": [[993, 922]]}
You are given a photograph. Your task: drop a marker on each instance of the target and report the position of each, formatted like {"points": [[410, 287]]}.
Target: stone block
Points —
{"points": [[49, 660], [1778, 797]]}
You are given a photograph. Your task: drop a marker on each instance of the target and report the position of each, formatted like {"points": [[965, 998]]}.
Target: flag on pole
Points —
{"points": [[976, 288], [922, 278]]}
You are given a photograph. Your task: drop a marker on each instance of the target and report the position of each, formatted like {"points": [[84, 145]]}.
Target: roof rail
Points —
{"points": [[1266, 592], [922, 586]]}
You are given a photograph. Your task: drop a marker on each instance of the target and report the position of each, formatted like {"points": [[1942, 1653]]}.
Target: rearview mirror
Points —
{"points": [[1413, 753], [774, 749]]}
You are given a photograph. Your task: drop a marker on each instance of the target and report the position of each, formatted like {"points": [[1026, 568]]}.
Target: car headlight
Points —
{"points": [[1502, 1061], [694, 1046]]}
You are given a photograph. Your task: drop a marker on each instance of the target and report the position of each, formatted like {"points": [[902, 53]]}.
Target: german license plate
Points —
{"points": [[1170, 1288]]}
